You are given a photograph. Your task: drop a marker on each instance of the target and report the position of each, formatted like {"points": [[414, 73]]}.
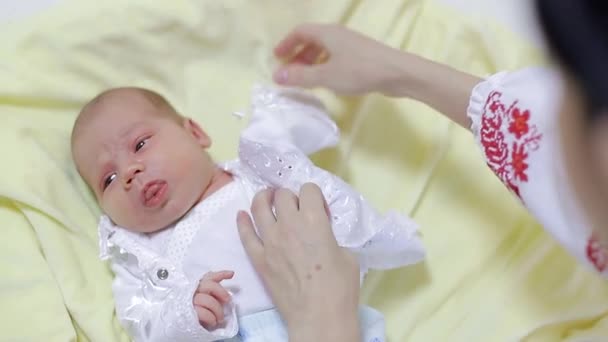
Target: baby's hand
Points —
{"points": [[210, 297]]}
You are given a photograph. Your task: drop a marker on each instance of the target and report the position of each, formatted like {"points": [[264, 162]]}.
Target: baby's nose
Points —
{"points": [[132, 171]]}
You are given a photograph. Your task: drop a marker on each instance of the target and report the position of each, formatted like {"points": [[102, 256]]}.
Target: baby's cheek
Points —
{"points": [[121, 211]]}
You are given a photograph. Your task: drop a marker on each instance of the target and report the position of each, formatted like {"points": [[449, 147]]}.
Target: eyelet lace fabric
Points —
{"points": [[383, 241], [185, 230]]}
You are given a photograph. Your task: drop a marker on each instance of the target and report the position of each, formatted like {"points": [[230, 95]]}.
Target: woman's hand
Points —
{"points": [[342, 60], [313, 282], [331, 56]]}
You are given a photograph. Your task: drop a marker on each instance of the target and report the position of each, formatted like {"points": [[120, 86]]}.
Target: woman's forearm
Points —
{"points": [[350, 63], [443, 88]]}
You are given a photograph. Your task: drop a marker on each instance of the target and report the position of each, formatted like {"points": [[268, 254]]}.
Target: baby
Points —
{"points": [[169, 229]]}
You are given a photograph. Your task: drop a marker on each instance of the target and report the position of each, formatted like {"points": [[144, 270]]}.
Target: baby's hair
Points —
{"points": [[165, 108]]}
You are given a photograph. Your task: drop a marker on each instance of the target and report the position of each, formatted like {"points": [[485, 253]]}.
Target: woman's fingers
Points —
{"points": [[303, 35], [301, 75], [315, 209], [251, 241], [342, 60], [301, 50], [285, 204], [261, 210], [312, 200], [310, 54]]}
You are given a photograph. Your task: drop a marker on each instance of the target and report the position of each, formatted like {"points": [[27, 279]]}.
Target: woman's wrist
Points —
{"points": [[439, 86], [402, 74], [335, 327]]}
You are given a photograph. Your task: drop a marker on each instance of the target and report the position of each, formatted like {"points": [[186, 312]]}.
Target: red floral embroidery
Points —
{"points": [[597, 253], [518, 160], [519, 125], [507, 139]]}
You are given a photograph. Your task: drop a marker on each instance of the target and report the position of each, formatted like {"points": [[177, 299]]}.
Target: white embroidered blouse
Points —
{"points": [[515, 121]]}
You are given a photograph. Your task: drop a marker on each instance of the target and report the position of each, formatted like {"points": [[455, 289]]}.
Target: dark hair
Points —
{"points": [[577, 34]]}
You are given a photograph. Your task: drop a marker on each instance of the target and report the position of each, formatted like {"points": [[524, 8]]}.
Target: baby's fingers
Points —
{"points": [[214, 289], [210, 312], [205, 318], [218, 276]]}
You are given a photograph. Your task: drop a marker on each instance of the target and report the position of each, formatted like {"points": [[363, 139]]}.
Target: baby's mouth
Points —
{"points": [[154, 193]]}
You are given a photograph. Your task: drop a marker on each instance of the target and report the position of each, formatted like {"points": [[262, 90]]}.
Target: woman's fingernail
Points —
{"points": [[280, 76]]}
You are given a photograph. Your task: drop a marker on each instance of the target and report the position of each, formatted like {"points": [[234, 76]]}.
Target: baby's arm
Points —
{"points": [[292, 117], [153, 312], [381, 241], [286, 126]]}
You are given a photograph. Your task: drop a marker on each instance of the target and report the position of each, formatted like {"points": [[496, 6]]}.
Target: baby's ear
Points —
{"points": [[197, 132]]}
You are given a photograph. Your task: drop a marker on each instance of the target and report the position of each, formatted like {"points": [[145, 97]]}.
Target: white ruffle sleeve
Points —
{"points": [[299, 125], [154, 301], [515, 121]]}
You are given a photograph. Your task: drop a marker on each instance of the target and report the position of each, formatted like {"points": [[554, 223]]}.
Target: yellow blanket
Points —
{"points": [[491, 273]]}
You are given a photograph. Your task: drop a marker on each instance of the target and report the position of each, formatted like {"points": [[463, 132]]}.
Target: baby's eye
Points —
{"points": [[140, 144], [108, 180]]}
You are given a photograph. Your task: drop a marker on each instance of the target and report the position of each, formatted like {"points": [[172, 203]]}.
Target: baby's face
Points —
{"points": [[146, 169]]}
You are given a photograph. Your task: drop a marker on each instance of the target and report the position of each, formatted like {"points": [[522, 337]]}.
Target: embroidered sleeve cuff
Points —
{"points": [[479, 97]]}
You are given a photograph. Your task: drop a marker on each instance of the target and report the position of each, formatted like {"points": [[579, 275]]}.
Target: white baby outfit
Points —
{"points": [[156, 275]]}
